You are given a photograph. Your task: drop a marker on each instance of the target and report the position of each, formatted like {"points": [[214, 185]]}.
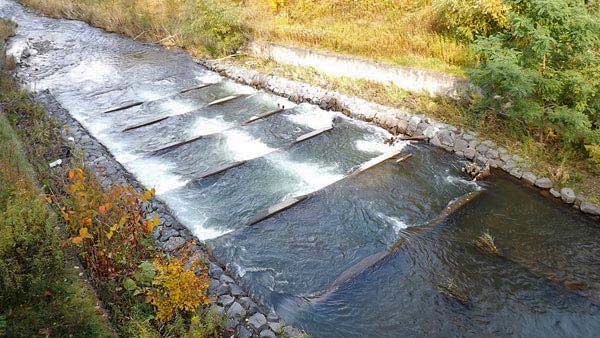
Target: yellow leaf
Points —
{"points": [[76, 240], [83, 232], [155, 220]]}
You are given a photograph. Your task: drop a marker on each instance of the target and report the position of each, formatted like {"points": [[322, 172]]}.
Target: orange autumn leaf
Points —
{"points": [[87, 221]]}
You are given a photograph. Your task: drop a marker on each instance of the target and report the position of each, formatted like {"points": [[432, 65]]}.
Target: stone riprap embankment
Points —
{"points": [[464, 143], [245, 318]]}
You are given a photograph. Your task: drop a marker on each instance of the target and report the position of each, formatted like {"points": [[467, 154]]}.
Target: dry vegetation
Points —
{"points": [[403, 32]]}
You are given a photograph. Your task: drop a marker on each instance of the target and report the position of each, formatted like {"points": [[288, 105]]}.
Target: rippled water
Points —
{"points": [[356, 257]]}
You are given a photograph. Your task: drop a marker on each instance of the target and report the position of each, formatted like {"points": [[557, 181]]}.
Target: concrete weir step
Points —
{"points": [[277, 208], [174, 146], [226, 167], [215, 102], [139, 103], [145, 124], [262, 116]]}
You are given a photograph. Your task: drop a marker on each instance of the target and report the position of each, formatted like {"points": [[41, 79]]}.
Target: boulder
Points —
{"points": [[543, 182], [567, 195], [590, 208], [225, 300], [236, 311], [529, 177], [267, 334], [257, 321]]}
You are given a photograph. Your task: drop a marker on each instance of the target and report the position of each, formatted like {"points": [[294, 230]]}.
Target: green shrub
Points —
{"points": [[543, 71], [467, 19], [214, 24]]}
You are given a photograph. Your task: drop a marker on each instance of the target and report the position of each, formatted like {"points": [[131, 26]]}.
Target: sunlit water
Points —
{"points": [[544, 285]]}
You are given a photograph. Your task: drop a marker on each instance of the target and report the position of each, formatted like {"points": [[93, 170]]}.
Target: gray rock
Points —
{"points": [[212, 286], [267, 334], [225, 300], [291, 332], [506, 158], [460, 145], [272, 317], [168, 233], [590, 208], [236, 311], [446, 138], [257, 321], [276, 326], [214, 270], [555, 193], [567, 195], [249, 305], [543, 182], [482, 149], [529, 177], [492, 154], [219, 310], [226, 279], [430, 132], [516, 172], [470, 153], [222, 289], [236, 290], [502, 151], [231, 323], [243, 332], [435, 140], [489, 144], [174, 243]]}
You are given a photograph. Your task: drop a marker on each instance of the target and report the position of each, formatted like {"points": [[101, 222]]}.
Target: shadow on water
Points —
{"points": [[544, 284]]}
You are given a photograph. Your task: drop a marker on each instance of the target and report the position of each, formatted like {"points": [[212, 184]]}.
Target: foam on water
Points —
{"points": [[97, 71], [242, 146], [312, 176], [177, 106], [196, 223], [312, 117], [156, 174], [208, 77], [461, 181], [397, 223], [377, 146], [206, 126]]}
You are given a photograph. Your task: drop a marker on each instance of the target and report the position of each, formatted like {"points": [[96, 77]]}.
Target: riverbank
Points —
{"points": [[86, 184], [43, 289]]}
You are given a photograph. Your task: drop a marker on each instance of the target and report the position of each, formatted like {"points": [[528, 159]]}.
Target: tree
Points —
{"points": [[544, 70]]}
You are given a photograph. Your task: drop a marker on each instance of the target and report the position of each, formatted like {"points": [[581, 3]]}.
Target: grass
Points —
{"points": [[566, 168], [402, 32]]}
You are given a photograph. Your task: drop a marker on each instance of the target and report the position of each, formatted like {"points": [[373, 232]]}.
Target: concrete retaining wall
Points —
{"points": [[410, 79]]}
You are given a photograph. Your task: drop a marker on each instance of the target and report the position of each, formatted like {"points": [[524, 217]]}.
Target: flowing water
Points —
{"points": [[356, 253]]}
